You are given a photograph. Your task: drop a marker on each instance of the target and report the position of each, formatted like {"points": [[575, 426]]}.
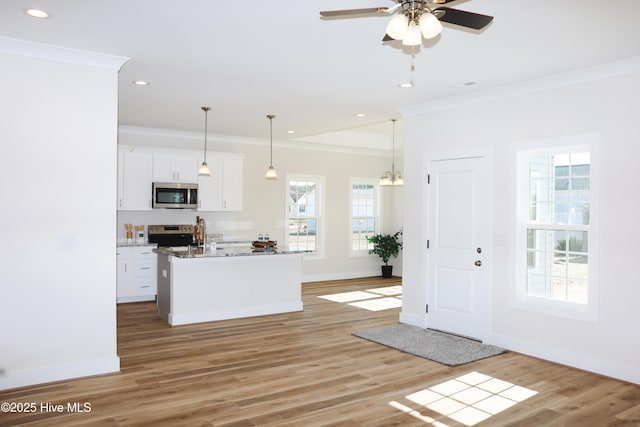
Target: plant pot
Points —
{"points": [[387, 270]]}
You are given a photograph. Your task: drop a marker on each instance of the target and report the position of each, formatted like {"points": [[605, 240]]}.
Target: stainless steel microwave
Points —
{"points": [[175, 195]]}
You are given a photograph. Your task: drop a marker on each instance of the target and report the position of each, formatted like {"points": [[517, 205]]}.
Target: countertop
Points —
{"points": [[123, 244], [183, 252]]}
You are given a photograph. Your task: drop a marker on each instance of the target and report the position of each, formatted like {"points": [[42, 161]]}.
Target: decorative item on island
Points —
{"points": [[263, 245], [386, 246]]}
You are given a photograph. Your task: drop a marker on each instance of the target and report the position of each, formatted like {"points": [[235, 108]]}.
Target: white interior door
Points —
{"points": [[459, 237]]}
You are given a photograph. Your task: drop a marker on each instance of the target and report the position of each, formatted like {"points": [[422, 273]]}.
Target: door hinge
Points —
{"points": [[426, 308]]}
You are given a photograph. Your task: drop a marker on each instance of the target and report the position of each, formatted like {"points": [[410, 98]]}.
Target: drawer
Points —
{"points": [[144, 252], [145, 268], [144, 287]]}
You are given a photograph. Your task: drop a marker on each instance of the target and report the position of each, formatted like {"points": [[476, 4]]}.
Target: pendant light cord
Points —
{"points": [[206, 112], [393, 150], [270, 117]]}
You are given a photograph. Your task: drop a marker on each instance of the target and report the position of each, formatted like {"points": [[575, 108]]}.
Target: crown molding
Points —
{"points": [[230, 139], [598, 72], [61, 54]]}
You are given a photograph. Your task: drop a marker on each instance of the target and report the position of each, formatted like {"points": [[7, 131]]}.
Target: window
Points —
{"points": [[556, 231], [304, 213], [364, 214]]}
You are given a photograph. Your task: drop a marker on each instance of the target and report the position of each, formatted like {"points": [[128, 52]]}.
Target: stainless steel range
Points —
{"points": [[170, 235]]}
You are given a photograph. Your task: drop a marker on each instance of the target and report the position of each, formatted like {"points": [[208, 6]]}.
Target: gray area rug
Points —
{"points": [[450, 350]]}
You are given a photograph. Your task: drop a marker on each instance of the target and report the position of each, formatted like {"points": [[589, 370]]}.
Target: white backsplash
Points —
{"points": [[225, 223]]}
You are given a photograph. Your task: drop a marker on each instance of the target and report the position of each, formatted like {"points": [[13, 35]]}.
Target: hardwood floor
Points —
{"points": [[306, 369]]}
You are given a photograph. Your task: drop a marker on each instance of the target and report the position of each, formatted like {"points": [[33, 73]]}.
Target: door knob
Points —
{"points": [[478, 263]]}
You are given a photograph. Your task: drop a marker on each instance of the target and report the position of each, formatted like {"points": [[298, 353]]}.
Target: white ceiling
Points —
{"points": [[250, 58]]}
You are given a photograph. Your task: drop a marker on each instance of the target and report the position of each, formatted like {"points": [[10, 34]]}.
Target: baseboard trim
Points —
{"points": [[63, 371], [620, 371], [342, 276]]}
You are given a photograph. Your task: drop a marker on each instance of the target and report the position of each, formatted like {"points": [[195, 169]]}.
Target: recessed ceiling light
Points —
{"points": [[141, 83], [37, 13], [406, 85], [291, 131], [465, 84], [361, 115]]}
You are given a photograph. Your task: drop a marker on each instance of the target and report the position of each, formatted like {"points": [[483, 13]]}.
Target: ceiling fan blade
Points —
{"points": [[346, 12], [464, 18]]}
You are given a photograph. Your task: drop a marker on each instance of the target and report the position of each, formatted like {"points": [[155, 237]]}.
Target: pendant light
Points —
{"points": [[271, 174], [204, 167], [392, 177]]}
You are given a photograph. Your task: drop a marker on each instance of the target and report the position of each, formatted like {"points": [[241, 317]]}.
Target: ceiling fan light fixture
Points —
{"points": [[430, 26], [397, 27], [412, 37]]}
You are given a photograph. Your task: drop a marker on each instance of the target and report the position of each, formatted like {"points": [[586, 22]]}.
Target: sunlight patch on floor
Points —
{"points": [[468, 399], [349, 296], [372, 299], [378, 304]]}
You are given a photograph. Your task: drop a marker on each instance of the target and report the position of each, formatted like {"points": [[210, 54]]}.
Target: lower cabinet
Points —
{"points": [[137, 273]]}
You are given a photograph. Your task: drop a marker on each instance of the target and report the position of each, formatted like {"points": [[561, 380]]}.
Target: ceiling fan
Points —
{"points": [[417, 18]]}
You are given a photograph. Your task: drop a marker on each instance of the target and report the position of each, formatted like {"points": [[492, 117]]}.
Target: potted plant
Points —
{"points": [[386, 246]]}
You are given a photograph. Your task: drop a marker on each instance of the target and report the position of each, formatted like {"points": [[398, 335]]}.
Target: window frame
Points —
{"points": [[319, 180], [377, 214], [519, 296]]}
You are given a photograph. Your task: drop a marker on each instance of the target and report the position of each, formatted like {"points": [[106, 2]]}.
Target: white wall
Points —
{"points": [[604, 102], [57, 258], [264, 207]]}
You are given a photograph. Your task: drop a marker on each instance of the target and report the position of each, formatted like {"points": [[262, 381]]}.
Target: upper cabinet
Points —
{"points": [[168, 168], [138, 170], [134, 181], [222, 191]]}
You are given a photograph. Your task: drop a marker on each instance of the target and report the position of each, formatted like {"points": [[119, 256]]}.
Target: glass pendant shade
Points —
{"points": [[398, 179], [397, 27], [271, 173], [430, 26], [204, 170], [385, 179], [412, 37]]}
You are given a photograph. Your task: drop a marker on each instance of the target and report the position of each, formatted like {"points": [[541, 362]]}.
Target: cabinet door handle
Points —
{"points": [[145, 268]]}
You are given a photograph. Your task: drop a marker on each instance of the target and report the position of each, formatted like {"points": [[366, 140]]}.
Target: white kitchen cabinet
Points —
{"points": [[134, 181], [175, 169], [137, 273], [222, 191]]}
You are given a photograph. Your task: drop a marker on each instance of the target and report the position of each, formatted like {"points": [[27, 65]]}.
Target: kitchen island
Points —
{"points": [[227, 283]]}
